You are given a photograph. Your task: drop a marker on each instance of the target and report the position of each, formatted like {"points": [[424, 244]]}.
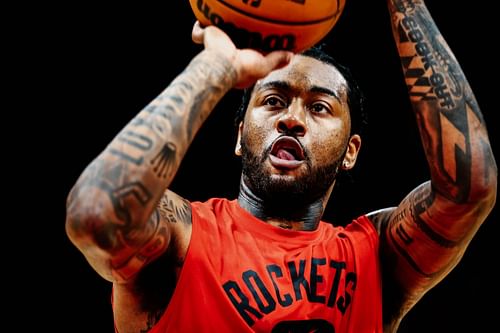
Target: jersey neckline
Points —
{"points": [[257, 226]]}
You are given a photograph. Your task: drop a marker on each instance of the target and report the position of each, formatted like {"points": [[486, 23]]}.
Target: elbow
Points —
{"points": [[86, 219], [490, 196], [75, 222], [81, 229], [484, 190]]}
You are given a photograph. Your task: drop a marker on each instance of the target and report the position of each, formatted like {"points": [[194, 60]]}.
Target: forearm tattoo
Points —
{"points": [[450, 122], [431, 226], [133, 172]]}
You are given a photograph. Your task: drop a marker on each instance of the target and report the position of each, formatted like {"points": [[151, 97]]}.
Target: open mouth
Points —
{"points": [[287, 153]]}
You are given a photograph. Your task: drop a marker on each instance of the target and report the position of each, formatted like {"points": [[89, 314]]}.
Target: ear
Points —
{"points": [[351, 154], [237, 149]]}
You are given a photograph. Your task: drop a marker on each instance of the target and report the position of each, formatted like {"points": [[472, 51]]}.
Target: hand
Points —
{"points": [[250, 64]]}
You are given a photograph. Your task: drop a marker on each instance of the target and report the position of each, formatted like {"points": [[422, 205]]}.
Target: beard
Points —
{"points": [[282, 192]]}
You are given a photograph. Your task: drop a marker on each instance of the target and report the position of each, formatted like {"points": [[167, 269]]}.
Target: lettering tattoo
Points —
{"points": [[136, 143], [116, 198], [127, 200], [427, 64], [426, 235], [158, 128], [121, 196], [447, 114], [107, 180]]}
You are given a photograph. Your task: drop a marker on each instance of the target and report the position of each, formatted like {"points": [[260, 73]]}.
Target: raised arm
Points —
{"points": [[427, 234], [119, 213]]}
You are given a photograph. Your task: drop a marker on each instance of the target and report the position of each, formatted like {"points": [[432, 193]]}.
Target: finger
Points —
{"points": [[277, 59], [197, 33]]}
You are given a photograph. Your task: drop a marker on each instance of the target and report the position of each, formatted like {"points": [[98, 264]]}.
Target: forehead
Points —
{"points": [[305, 72]]}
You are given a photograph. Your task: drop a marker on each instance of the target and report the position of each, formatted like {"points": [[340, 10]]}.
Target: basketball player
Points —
{"points": [[265, 262]]}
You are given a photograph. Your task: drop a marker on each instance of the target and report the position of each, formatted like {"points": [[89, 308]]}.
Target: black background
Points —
{"points": [[108, 62]]}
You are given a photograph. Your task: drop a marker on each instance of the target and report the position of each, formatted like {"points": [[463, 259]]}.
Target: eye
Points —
{"points": [[274, 102], [319, 108]]}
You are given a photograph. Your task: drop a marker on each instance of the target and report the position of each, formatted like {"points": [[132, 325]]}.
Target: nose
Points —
{"points": [[293, 120]]}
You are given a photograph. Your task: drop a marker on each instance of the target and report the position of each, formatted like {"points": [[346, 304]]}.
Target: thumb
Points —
{"points": [[197, 34], [260, 66], [276, 59]]}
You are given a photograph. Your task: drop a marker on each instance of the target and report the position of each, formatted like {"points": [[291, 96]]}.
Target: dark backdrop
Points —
{"points": [[109, 61]]}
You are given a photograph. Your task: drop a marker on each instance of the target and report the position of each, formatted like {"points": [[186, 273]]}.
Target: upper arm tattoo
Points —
{"points": [[174, 208], [411, 231], [125, 268]]}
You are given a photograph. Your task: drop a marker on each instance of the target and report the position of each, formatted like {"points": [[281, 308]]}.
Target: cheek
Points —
{"points": [[254, 137], [328, 148]]}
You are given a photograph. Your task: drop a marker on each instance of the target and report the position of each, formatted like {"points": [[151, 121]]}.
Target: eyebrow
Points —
{"points": [[286, 86]]}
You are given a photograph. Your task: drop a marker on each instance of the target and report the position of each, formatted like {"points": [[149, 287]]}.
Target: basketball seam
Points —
{"points": [[269, 20]]}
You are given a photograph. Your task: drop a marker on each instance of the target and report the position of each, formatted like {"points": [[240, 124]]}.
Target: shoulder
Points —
{"points": [[379, 218], [213, 212], [359, 233], [363, 232], [210, 208]]}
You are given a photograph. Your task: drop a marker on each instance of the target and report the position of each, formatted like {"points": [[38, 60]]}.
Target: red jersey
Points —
{"points": [[241, 274]]}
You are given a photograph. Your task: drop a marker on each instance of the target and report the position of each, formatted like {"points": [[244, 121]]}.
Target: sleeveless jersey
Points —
{"points": [[241, 274]]}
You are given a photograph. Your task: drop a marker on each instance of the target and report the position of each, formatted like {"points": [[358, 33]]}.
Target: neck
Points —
{"points": [[303, 216]]}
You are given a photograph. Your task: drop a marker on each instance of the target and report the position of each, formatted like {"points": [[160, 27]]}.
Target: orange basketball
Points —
{"points": [[268, 25]]}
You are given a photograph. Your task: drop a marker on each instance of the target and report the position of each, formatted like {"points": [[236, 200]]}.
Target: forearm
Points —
{"points": [[114, 198], [451, 125], [430, 229]]}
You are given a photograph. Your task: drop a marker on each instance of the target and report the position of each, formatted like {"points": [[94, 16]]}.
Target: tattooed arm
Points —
{"points": [[427, 234], [119, 213]]}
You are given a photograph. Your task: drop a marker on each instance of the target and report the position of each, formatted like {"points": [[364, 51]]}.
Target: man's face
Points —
{"points": [[296, 131]]}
